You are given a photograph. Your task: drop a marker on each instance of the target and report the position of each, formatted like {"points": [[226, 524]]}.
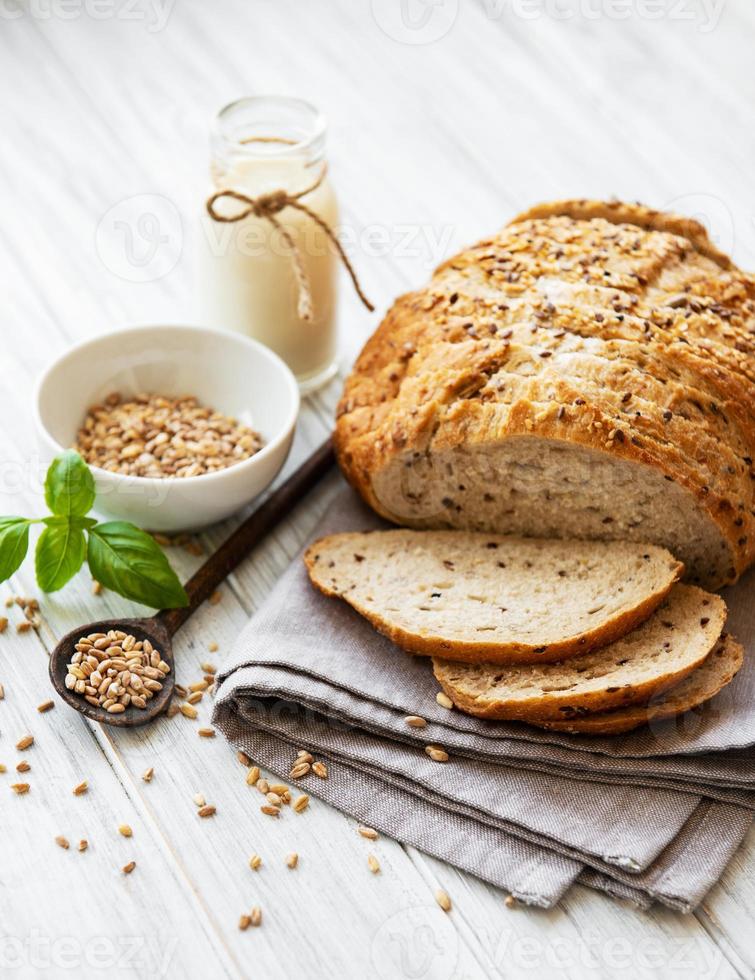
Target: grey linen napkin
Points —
{"points": [[653, 815]]}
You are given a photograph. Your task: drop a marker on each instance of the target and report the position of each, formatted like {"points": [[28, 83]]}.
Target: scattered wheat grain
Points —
{"points": [[414, 721], [301, 803], [443, 900]]}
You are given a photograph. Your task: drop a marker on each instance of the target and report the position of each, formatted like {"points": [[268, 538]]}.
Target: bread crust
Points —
{"points": [[621, 213], [495, 652], [634, 286], [719, 669]]}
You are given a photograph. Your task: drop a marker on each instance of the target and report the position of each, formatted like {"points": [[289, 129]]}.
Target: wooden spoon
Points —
{"points": [[161, 628]]}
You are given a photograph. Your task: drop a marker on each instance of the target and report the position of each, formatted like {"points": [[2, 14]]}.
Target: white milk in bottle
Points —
{"points": [[248, 261]]}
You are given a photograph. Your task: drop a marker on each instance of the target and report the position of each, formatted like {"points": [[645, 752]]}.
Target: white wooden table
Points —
{"points": [[445, 120]]}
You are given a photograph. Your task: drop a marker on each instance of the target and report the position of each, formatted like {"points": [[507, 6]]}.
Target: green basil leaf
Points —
{"points": [[14, 543], [61, 550], [69, 485], [128, 561], [82, 523]]}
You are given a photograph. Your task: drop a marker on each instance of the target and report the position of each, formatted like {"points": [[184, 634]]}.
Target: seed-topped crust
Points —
{"points": [[610, 326]]}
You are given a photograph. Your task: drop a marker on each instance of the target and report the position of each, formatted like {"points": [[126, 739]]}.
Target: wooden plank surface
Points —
{"points": [[432, 145]]}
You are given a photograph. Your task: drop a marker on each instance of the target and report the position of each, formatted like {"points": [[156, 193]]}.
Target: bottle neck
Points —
{"points": [[269, 142]]}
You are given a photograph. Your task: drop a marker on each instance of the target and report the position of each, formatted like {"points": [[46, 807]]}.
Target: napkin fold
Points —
{"points": [[653, 815]]}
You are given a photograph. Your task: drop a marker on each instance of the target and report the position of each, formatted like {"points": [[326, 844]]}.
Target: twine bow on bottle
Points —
{"points": [[268, 206]]}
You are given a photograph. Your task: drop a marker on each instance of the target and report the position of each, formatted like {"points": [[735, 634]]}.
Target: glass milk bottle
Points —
{"points": [[264, 270]]}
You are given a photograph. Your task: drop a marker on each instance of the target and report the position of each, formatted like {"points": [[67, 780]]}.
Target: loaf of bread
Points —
{"points": [[587, 372], [485, 597], [646, 661]]}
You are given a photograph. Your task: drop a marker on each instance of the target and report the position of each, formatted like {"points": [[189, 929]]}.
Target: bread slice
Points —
{"points": [[655, 656], [717, 670], [491, 598]]}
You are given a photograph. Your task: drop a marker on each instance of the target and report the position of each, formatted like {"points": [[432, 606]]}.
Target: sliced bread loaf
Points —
{"points": [[714, 673], [636, 333], [653, 657], [491, 598]]}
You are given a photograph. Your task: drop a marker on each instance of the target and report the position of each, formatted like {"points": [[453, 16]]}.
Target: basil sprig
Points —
{"points": [[120, 555]]}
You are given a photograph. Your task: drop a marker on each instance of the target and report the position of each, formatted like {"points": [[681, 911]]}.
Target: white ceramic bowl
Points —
{"points": [[224, 370]]}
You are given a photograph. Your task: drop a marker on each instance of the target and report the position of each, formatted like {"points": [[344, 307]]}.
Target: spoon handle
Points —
{"points": [[277, 506]]}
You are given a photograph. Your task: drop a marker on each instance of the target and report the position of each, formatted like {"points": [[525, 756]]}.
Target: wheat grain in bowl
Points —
{"points": [[225, 371], [154, 435]]}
